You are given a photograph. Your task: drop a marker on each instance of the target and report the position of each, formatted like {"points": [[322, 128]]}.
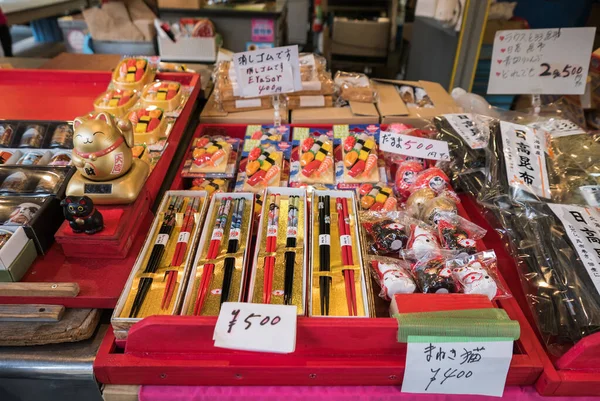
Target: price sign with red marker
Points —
{"points": [[541, 61]]}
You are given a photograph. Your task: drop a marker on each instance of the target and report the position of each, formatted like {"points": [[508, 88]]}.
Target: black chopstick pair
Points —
{"points": [[157, 253], [324, 207], [232, 247], [290, 256]]}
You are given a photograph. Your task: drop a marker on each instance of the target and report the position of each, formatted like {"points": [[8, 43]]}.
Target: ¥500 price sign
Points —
{"points": [[436, 366], [413, 146], [256, 327]]}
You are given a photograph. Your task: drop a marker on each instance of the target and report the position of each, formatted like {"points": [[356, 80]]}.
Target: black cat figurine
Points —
{"points": [[81, 214]]}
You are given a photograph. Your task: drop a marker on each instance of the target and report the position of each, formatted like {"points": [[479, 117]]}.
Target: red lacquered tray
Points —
{"points": [[178, 350], [577, 372], [51, 95]]}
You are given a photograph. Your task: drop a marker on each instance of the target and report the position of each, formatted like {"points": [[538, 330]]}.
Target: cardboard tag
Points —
{"points": [[541, 61], [441, 365], [412, 146], [256, 327], [268, 71]]}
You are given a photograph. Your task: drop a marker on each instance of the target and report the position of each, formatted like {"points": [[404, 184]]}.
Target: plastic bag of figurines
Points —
{"points": [[477, 274], [384, 233], [457, 233], [432, 274], [393, 276]]}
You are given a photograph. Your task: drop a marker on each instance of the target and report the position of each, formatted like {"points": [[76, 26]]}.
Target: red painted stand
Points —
{"points": [[178, 350], [577, 372], [64, 95]]}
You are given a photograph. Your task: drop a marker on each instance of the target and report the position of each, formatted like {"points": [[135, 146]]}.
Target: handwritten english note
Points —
{"points": [[268, 71], [435, 366], [256, 327], [407, 145], [541, 61]]}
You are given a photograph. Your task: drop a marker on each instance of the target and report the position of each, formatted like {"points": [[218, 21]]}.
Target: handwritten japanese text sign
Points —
{"points": [[407, 145], [268, 71], [436, 366], [541, 61]]}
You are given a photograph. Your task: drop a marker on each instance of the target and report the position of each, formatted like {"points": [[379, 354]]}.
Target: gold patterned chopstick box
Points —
{"points": [[278, 272], [338, 285], [218, 271], [158, 279]]}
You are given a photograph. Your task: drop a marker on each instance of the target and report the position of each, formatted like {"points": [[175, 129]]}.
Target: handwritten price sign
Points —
{"points": [[268, 71], [541, 61], [413, 146], [440, 367], [256, 327]]}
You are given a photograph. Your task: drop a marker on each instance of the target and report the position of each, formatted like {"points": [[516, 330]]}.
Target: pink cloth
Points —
{"points": [[354, 393], [2, 18]]}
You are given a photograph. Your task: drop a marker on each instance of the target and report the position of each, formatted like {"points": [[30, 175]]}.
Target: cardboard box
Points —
{"points": [[182, 4], [356, 113], [392, 109], [360, 38], [212, 115], [16, 256]]}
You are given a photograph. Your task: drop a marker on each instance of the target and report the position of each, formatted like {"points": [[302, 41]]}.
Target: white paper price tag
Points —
{"points": [[324, 239], [471, 127], [345, 240], [256, 327], [434, 366], [267, 71], [183, 237], [162, 239], [541, 61], [412, 146]]}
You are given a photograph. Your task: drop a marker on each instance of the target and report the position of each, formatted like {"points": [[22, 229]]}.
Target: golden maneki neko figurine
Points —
{"points": [[107, 172]]}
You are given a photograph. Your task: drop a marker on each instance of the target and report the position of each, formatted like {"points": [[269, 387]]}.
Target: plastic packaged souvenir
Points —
{"points": [[251, 104], [14, 183], [210, 154], [392, 275], [60, 159], [417, 200], [310, 65], [422, 239], [48, 183], [360, 158], [116, 101], [32, 137], [478, 274], [62, 137], [22, 214], [7, 133], [149, 125], [34, 158], [316, 159], [271, 133], [133, 73], [432, 275], [384, 234], [9, 156], [354, 87], [407, 94], [457, 233], [261, 167], [4, 237], [164, 94], [406, 175], [377, 197], [210, 185], [433, 208], [433, 178]]}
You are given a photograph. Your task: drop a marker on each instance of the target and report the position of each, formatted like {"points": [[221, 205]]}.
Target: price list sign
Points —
{"points": [[541, 61], [437, 366], [268, 71]]}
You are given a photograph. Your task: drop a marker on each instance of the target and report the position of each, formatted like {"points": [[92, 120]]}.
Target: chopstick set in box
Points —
{"points": [[198, 255]]}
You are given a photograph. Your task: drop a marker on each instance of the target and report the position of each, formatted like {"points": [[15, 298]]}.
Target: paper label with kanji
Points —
{"points": [[582, 225], [472, 128], [525, 160]]}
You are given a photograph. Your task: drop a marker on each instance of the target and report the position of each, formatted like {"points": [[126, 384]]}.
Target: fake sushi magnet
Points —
{"points": [[316, 160], [149, 125], [116, 101], [133, 74], [360, 159], [263, 168], [210, 155]]}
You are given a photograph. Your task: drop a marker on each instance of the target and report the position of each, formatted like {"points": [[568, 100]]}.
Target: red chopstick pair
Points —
{"points": [[347, 258], [179, 255], [271, 246]]}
